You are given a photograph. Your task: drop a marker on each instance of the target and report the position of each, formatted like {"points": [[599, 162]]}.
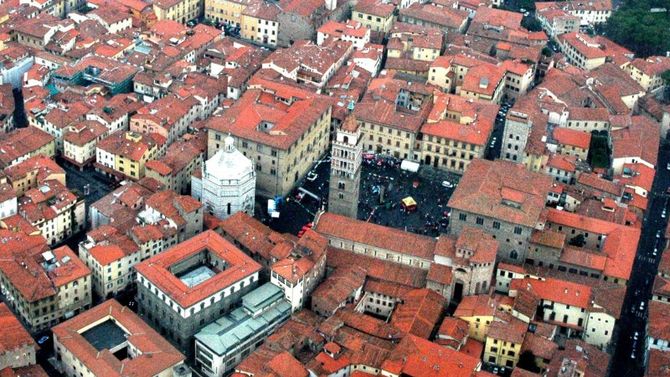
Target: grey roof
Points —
{"points": [[263, 308]]}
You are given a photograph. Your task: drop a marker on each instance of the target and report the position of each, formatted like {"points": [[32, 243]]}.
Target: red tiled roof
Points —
{"points": [[338, 226], [562, 162], [21, 262], [476, 119], [156, 269], [498, 17], [556, 290], [566, 136], [640, 139], [486, 185], [419, 312], [154, 354], [658, 326], [21, 142], [620, 244], [414, 356], [290, 122], [14, 335], [512, 330]]}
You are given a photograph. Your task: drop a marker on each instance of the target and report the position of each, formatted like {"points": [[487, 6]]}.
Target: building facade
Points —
{"points": [[193, 283], [345, 169], [221, 345], [227, 182]]}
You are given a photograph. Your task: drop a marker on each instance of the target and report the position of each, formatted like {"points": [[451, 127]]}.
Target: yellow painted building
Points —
{"points": [[452, 136], [478, 311], [125, 154], [226, 11], [403, 46], [535, 162], [259, 23], [177, 10], [24, 143], [375, 15], [503, 342], [647, 72], [31, 173]]}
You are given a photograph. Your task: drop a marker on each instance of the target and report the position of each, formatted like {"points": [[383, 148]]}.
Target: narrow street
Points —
{"points": [[628, 359]]}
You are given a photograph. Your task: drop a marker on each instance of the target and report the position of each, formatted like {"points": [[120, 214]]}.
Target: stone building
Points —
{"points": [[283, 129], [192, 284], [456, 266], [504, 199], [227, 182], [345, 169], [17, 347], [42, 286], [92, 343]]}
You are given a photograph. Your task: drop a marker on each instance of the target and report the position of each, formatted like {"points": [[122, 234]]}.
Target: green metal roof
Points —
{"points": [[229, 331]]}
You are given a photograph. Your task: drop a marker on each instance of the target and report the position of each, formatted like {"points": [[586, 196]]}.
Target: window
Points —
{"points": [[517, 230], [480, 221], [496, 225], [462, 216]]}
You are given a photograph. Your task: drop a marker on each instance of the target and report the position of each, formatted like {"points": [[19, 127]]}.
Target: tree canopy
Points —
{"points": [[640, 30]]}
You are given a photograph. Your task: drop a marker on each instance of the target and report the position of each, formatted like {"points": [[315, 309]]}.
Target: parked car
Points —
{"points": [[447, 184], [43, 339]]}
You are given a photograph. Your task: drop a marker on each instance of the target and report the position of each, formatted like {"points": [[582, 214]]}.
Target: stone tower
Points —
{"points": [[345, 169]]}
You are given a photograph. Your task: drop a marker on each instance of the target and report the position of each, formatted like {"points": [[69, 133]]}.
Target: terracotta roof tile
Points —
{"points": [[15, 335], [487, 185], [156, 269], [154, 354]]}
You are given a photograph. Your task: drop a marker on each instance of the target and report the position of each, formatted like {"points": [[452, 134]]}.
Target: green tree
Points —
{"points": [[531, 24], [578, 241], [639, 30], [666, 81]]}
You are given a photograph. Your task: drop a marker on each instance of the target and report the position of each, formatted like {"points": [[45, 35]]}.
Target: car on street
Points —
{"points": [[493, 142], [447, 184], [641, 305], [191, 23], [667, 166], [655, 253], [658, 233], [43, 339], [635, 335], [663, 214]]}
